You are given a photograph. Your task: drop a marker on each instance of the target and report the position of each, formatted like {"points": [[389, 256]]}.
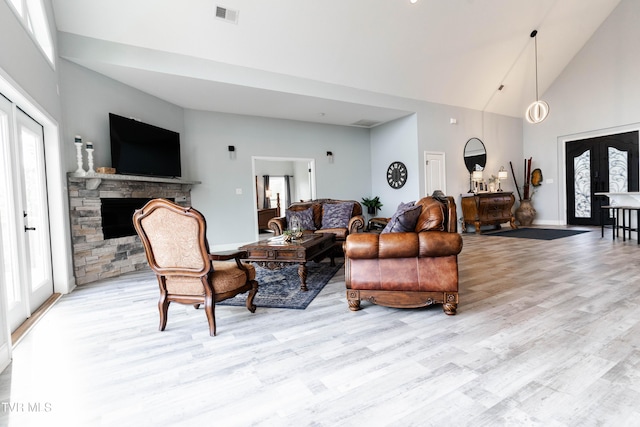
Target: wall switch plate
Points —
{"points": [[238, 190]]}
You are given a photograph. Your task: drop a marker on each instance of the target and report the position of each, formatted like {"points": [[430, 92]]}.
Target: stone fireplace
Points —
{"points": [[95, 257]]}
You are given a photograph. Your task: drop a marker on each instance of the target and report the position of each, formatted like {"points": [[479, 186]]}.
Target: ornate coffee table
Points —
{"points": [[274, 253]]}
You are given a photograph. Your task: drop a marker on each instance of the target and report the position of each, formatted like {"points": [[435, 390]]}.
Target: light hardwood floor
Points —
{"points": [[547, 333]]}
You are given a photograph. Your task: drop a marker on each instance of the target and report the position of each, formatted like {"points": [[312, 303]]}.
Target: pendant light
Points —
{"points": [[538, 110]]}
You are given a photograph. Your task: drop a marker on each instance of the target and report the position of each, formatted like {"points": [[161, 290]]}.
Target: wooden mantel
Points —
{"points": [[94, 180]]}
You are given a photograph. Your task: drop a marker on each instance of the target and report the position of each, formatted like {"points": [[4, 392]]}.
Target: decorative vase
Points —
{"points": [[525, 212]]}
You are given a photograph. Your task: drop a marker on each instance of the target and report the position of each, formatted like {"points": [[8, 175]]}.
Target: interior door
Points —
{"points": [[602, 164], [435, 175], [24, 214]]}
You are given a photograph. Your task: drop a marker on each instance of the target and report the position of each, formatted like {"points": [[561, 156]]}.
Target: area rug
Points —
{"points": [[538, 233], [281, 288]]}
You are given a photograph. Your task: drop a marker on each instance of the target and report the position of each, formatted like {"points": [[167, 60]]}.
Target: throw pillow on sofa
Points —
{"points": [[404, 219], [305, 217], [336, 215]]}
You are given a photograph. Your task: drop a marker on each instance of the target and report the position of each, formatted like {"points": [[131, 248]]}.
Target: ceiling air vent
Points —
{"points": [[227, 15], [364, 123]]}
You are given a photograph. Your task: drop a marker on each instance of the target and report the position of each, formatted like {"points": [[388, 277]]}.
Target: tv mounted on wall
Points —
{"points": [[142, 149]]}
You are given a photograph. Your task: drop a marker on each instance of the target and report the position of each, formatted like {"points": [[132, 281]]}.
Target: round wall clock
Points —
{"points": [[397, 175]]}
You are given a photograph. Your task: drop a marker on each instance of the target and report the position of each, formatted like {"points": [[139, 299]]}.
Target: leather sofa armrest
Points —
{"points": [[402, 245], [356, 224], [439, 243], [278, 225]]}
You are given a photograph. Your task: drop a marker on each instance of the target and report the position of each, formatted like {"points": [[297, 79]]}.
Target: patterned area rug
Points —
{"points": [[537, 233], [281, 288]]}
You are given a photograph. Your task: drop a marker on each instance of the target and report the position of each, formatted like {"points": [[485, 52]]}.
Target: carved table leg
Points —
{"points": [[302, 272]]}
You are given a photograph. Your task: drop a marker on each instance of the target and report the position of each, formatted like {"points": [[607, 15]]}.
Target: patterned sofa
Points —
{"points": [[340, 217]]}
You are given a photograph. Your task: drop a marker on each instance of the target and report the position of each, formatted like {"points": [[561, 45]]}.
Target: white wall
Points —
{"points": [[30, 81], [430, 129], [596, 94], [303, 183], [27, 66], [89, 97], [390, 142], [231, 216]]}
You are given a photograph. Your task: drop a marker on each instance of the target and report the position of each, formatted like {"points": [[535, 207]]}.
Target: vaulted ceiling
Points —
{"points": [[330, 61]]}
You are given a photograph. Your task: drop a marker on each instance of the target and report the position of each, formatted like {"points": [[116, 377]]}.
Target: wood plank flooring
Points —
{"points": [[547, 334]]}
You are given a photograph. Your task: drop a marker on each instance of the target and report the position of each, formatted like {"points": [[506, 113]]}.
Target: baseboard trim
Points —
{"points": [[22, 330]]}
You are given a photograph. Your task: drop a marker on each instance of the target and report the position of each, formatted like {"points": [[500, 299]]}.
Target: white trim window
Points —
{"points": [[33, 17]]}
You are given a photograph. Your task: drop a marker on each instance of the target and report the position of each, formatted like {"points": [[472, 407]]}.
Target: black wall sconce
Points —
{"points": [[232, 152], [330, 156]]}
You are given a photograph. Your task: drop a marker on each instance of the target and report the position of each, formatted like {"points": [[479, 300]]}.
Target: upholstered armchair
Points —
{"points": [[407, 269], [175, 243]]}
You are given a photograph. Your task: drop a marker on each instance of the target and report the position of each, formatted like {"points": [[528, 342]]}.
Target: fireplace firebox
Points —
{"points": [[116, 216]]}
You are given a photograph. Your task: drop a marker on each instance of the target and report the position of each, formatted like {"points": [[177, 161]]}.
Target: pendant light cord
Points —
{"points": [[534, 33]]}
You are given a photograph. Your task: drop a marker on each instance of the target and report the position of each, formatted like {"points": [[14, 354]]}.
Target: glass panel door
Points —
{"points": [[582, 184], [35, 211], [602, 164], [26, 246]]}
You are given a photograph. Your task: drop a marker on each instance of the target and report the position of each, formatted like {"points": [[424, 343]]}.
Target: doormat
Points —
{"points": [[537, 233], [281, 288]]}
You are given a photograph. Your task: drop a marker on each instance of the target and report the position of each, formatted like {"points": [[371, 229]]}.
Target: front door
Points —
{"points": [[602, 164], [26, 244]]}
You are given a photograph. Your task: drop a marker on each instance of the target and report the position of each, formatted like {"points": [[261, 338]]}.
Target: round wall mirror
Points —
{"points": [[475, 155]]}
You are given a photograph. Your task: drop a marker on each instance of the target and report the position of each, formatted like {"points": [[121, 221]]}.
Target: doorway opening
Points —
{"points": [[280, 181]]}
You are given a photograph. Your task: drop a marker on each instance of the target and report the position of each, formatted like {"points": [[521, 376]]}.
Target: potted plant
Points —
{"points": [[372, 204]]}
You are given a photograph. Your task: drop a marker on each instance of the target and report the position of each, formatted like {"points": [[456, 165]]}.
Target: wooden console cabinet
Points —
{"points": [[488, 209]]}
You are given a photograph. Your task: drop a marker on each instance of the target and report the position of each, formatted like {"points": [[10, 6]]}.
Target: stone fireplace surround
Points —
{"points": [[95, 258]]}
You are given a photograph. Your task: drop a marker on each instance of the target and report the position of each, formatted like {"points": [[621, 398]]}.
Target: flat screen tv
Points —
{"points": [[142, 149]]}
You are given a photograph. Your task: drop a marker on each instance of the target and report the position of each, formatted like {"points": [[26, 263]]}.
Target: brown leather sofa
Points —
{"points": [[407, 269], [355, 223]]}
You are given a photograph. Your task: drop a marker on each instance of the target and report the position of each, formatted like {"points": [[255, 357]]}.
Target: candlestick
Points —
{"points": [[89, 150], [78, 143]]}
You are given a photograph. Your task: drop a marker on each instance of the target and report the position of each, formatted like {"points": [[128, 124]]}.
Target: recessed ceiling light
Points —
{"points": [[413, 1]]}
